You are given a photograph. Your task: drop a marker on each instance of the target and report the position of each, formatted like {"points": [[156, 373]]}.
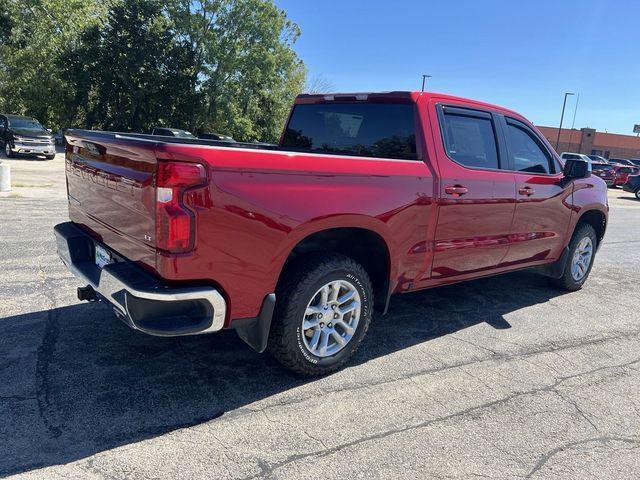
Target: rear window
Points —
{"points": [[601, 166], [364, 129]]}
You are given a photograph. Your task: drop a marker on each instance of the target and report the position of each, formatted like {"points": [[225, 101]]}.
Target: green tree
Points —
{"points": [[130, 74], [216, 65], [33, 34], [247, 69]]}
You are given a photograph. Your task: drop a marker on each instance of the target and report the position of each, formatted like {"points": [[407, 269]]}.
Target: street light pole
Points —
{"points": [[424, 80], [564, 104], [575, 111]]}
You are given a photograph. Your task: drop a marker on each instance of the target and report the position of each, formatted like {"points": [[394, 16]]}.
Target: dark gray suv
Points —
{"points": [[25, 135]]}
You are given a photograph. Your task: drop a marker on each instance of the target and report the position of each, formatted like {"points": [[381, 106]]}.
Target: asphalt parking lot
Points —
{"points": [[501, 378]]}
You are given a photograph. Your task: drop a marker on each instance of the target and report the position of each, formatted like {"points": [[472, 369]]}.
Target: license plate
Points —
{"points": [[103, 257]]}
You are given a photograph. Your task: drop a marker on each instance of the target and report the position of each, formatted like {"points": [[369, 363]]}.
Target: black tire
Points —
{"points": [[567, 281], [7, 151], [637, 194], [49, 157], [297, 290]]}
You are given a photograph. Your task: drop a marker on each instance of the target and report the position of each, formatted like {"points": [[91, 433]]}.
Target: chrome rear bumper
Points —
{"points": [[139, 298]]}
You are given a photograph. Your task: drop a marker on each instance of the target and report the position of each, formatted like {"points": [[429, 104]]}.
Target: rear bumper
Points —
{"points": [[142, 300]]}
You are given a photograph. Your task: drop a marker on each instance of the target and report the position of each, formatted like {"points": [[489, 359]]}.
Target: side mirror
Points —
{"points": [[576, 169], [49, 130]]}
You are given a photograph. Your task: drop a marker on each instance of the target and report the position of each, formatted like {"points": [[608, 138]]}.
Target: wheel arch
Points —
{"points": [[365, 245], [597, 219]]}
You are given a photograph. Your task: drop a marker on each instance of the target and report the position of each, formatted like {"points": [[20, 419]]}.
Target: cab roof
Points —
{"points": [[395, 96]]}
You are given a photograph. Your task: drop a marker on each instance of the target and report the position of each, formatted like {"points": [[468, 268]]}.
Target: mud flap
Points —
{"points": [[255, 331]]}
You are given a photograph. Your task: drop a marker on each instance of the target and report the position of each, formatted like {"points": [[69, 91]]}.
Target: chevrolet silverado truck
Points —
{"points": [[294, 245]]}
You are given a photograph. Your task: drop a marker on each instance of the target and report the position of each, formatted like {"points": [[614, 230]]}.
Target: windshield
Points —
{"points": [[25, 124]]}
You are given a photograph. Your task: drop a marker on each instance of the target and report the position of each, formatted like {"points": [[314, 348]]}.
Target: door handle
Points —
{"points": [[456, 190], [528, 191]]}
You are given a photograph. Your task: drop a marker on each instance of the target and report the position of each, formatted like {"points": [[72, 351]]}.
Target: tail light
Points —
{"points": [[175, 213]]}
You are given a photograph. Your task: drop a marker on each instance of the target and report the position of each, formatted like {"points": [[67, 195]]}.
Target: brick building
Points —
{"points": [[590, 142]]}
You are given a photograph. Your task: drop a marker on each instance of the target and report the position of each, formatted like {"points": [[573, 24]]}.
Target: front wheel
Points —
{"points": [[638, 194], [582, 250], [49, 157], [323, 312], [7, 149]]}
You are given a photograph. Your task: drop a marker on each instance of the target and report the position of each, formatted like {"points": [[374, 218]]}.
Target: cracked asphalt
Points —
{"points": [[502, 377]]}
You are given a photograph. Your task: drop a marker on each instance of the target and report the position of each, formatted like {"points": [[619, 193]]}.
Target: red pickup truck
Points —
{"points": [[294, 245]]}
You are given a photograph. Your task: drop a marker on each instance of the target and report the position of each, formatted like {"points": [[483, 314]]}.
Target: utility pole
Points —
{"points": [[424, 81], [575, 110], [564, 104]]}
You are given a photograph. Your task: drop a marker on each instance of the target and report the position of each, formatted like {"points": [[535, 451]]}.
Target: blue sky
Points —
{"points": [[518, 54]]}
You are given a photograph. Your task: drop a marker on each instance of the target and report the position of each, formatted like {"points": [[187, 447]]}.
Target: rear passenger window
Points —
{"points": [[527, 154], [470, 140]]}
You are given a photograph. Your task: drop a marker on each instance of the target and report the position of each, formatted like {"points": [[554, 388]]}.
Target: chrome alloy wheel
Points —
{"points": [[331, 318], [582, 259], [7, 148]]}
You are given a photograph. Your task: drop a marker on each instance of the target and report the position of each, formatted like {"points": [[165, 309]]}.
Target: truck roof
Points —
{"points": [[393, 96]]}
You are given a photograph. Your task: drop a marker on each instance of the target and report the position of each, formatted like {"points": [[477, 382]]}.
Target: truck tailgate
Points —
{"points": [[111, 190]]}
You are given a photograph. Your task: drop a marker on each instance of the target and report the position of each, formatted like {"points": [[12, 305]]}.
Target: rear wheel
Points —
{"points": [[323, 312], [582, 250]]}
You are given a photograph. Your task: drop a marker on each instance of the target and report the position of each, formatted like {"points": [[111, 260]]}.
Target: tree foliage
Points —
{"points": [[209, 65], [33, 33]]}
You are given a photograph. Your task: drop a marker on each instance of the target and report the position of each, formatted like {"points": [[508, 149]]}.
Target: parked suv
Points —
{"points": [[25, 135], [605, 171], [633, 185], [623, 172], [294, 246]]}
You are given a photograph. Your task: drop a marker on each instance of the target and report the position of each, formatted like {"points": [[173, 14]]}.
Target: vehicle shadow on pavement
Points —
{"points": [[99, 385]]}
